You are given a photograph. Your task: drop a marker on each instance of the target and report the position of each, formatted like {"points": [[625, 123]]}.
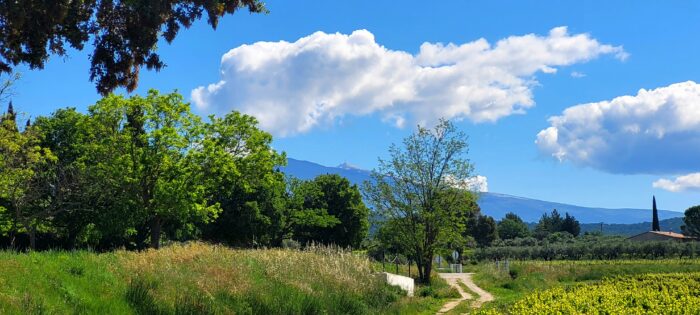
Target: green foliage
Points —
{"points": [[329, 210], [485, 231], [240, 174], [150, 145], [692, 221], [139, 171], [410, 191], [562, 246], [570, 225], [124, 34], [512, 226], [25, 179], [551, 223]]}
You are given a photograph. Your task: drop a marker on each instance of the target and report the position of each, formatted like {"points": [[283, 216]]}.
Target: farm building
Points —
{"points": [[660, 236], [656, 234]]}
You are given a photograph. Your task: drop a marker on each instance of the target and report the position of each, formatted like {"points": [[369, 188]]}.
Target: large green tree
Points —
{"points": [[83, 219], [241, 174], [407, 190], [330, 210], [25, 176], [148, 148], [124, 34]]}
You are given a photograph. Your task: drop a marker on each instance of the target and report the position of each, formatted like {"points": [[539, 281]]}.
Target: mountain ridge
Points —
{"points": [[497, 204]]}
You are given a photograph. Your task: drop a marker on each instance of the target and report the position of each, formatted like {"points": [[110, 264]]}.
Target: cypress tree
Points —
{"points": [[655, 223]]}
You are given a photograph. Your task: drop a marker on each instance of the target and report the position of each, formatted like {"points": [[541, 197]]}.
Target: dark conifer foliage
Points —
{"points": [[655, 222], [124, 34]]}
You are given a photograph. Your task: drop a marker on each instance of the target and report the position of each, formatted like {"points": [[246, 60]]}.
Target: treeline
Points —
{"points": [[136, 172], [594, 248]]}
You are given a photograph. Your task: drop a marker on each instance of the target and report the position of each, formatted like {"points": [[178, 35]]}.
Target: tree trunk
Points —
{"points": [[32, 238], [428, 268], [12, 238], [156, 226], [420, 268]]}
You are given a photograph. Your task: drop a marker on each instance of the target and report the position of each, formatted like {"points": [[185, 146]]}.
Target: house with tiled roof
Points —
{"points": [[656, 234]]}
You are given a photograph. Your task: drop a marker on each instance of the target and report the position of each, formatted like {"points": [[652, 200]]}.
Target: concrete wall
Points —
{"points": [[405, 283]]}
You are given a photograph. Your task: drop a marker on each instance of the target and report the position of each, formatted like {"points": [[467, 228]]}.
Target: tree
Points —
{"points": [[148, 148], [23, 163], [406, 190], [512, 226], [485, 231], [333, 195], [67, 133], [692, 221], [655, 220], [570, 225], [124, 34], [241, 175], [466, 218], [549, 223]]}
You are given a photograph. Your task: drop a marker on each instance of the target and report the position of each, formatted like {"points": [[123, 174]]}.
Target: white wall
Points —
{"points": [[405, 283]]}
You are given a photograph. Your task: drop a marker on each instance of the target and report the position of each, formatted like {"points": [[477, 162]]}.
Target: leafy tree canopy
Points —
{"points": [[512, 226], [409, 190]]}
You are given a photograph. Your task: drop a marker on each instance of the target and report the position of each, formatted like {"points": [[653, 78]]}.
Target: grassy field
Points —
{"points": [[524, 278], [203, 279]]}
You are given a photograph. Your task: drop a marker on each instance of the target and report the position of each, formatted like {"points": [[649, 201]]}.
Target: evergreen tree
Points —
{"points": [[655, 223], [571, 225]]}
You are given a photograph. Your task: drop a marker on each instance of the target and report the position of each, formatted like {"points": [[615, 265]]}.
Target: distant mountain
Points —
{"points": [[530, 210], [308, 170], [494, 204]]}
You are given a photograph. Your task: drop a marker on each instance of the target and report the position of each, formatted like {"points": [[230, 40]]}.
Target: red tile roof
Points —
{"points": [[669, 234]]}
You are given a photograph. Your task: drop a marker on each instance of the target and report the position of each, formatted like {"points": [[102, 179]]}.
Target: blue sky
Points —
{"points": [[610, 162]]}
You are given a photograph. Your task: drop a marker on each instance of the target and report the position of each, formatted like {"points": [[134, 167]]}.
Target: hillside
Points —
{"points": [[197, 278], [497, 205]]}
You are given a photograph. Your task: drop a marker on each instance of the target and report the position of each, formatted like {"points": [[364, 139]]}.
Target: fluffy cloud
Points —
{"points": [[690, 182], [478, 183], [294, 87], [654, 132]]}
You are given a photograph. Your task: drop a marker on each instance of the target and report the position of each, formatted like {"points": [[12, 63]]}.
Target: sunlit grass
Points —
{"points": [[197, 278]]}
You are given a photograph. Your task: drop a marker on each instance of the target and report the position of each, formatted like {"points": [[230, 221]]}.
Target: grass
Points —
{"points": [[197, 278], [524, 277]]}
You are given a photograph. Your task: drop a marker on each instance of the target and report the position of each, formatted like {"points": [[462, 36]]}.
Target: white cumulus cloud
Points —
{"points": [[690, 182], [478, 183], [654, 132], [293, 87]]}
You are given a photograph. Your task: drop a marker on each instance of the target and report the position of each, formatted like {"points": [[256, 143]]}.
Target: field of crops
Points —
{"points": [[673, 293]]}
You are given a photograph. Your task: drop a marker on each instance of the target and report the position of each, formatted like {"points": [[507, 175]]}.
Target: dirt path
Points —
{"points": [[465, 278]]}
